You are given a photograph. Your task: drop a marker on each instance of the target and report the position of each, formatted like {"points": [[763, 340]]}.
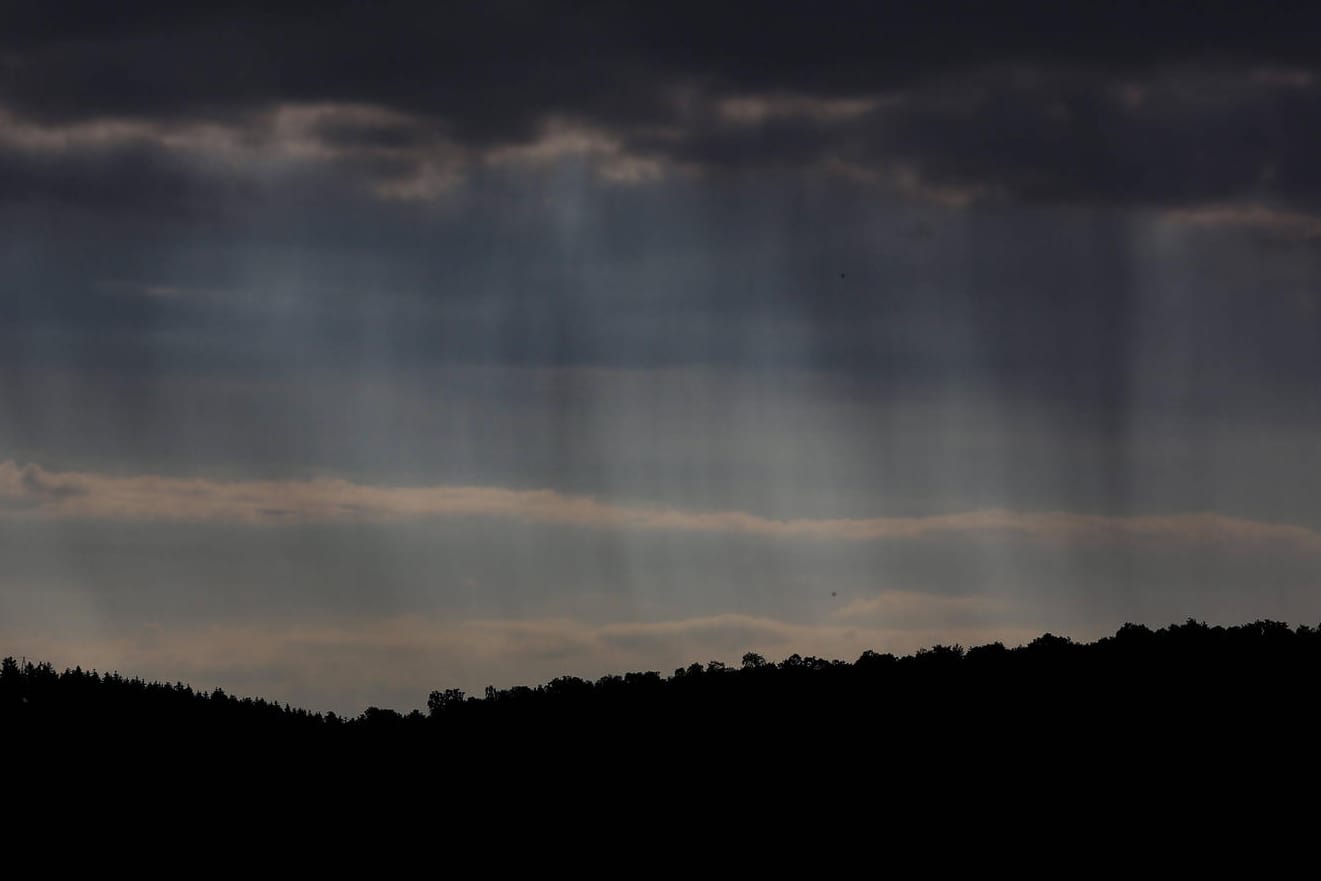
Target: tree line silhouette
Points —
{"points": [[1176, 667], [1129, 730]]}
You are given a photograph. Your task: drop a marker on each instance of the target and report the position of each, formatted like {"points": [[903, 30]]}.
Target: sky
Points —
{"points": [[350, 351]]}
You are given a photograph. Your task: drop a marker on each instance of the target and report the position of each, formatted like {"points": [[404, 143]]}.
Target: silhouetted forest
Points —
{"points": [[1125, 681], [1199, 719]]}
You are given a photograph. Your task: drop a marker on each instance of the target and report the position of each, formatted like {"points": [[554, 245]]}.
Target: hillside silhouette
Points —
{"points": [[1206, 725], [1133, 684]]}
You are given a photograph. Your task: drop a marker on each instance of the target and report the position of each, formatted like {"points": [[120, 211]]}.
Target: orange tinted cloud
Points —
{"points": [[32, 491]]}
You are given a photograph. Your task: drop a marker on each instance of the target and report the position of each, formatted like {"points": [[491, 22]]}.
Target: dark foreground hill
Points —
{"points": [[1188, 720], [1137, 687]]}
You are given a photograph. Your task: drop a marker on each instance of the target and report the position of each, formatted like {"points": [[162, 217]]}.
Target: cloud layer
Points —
{"points": [[32, 491], [1084, 103]]}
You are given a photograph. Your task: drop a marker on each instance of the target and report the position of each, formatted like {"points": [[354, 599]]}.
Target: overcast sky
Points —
{"points": [[357, 350]]}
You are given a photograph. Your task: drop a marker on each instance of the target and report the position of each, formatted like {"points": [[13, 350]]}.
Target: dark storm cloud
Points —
{"points": [[498, 66], [468, 65], [343, 185], [1186, 137], [1104, 112]]}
